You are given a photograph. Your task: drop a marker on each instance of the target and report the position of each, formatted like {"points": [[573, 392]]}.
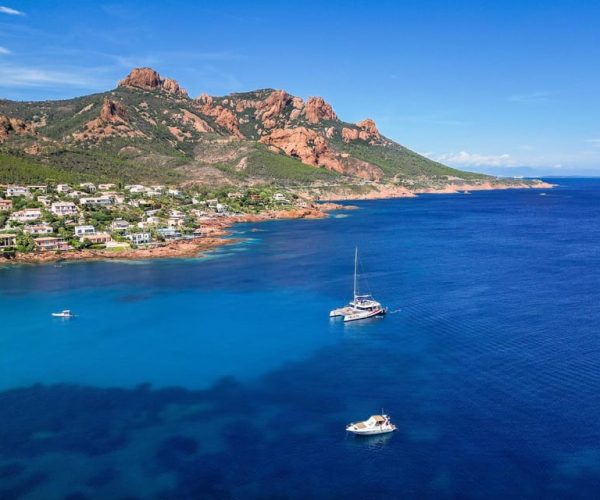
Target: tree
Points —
{"points": [[25, 243]]}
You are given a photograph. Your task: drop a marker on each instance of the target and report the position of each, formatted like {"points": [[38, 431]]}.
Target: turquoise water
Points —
{"points": [[223, 377]]}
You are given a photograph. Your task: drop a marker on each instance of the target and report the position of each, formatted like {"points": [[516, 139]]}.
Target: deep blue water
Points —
{"points": [[224, 378]]}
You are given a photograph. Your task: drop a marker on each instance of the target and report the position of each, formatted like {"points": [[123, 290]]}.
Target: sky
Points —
{"points": [[505, 86]]}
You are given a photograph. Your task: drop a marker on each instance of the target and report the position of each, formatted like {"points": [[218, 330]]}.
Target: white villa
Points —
{"points": [[26, 215], [119, 225], [139, 238], [97, 201], [63, 188], [62, 208], [84, 230], [38, 229], [13, 191]]}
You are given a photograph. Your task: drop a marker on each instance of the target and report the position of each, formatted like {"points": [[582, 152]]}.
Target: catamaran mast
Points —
{"points": [[355, 268]]}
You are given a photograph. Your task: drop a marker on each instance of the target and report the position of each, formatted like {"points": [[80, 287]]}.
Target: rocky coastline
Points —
{"points": [[216, 230], [215, 235]]}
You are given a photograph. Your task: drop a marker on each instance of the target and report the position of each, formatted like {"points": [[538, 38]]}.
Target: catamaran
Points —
{"points": [[362, 306]]}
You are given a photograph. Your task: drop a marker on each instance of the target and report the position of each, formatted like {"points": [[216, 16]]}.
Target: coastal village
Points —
{"points": [[51, 221]]}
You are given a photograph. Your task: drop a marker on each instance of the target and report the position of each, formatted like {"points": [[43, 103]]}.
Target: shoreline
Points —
{"points": [[217, 236], [217, 229], [383, 192]]}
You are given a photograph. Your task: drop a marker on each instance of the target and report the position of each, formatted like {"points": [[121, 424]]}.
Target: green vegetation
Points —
{"points": [[399, 162], [154, 137], [15, 169], [25, 243]]}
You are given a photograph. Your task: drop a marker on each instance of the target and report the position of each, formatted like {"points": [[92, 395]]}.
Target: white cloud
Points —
{"points": [[21, 76], [466, 159], [540, 97], [10, 12], [4, 51]]}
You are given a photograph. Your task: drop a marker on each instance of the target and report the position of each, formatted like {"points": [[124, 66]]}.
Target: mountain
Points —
{"points": [[149, 129]]}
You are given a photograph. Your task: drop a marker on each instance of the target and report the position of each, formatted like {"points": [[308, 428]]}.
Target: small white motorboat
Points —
{"points": [[376, 424], [63, 314]]}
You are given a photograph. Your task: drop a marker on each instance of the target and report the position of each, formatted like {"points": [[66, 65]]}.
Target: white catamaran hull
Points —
{"points": [[363, 315]]}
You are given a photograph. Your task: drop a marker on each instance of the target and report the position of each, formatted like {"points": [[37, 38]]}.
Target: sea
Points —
{"points": [[223, 377]]}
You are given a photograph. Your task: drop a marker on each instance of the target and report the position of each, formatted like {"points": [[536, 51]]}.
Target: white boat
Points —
{"points": [[376, 424], [362, 306], [63, 314]]}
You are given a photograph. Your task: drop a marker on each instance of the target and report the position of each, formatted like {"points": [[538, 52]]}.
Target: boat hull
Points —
{"points": [[371, 432], [364, 315]]}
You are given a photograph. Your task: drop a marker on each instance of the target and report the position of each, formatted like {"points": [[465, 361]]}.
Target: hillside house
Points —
{"points": [[139, 238], [26, 215], [51, 244], [15, 191], [8, 240], [6, 205], [84, 230], [38, 229], [96, 238], [98, 201], [63, 208], [119, 225]]}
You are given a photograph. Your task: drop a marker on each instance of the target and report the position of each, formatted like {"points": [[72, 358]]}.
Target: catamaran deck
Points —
{"points": [[343, 311]]}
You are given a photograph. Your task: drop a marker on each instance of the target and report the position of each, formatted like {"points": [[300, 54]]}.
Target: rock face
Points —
{"points": [[304, 144], [223, 117], [112, 112], [149, 79], [13, 126], [317, 109], [366, 131], [369, 128], [112, 122]]}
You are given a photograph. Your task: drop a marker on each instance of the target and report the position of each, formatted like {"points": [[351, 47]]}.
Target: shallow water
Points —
{"points": [[223, 377]]}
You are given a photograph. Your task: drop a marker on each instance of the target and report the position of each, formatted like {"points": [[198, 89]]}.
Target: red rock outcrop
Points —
{"points": [[112, 122], [304, 144], [369, 128], [194, 120], [112, 112], [366, 131], [349, 134], [272, 107], [223, 117], [14, 126], [149, 79], [317, 109]]}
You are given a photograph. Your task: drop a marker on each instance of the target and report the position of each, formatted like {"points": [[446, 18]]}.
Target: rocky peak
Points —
{"points": [[317, 109], [204, 99], [149, 79], [365, 130], [369, 126], [112, 111]]}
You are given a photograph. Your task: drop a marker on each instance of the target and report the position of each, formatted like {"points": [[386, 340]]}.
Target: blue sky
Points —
{"points": [[491, 86]]}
